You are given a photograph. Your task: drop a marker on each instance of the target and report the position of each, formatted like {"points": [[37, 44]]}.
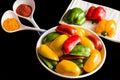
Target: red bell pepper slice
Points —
{"points": [[70, 43], [71, 57], [66, 29]]}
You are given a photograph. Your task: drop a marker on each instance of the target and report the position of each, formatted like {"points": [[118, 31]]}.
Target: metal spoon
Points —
{"points": [[30, 3], [11, 14]]}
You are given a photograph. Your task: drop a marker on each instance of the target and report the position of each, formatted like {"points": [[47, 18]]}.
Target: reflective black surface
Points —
{"points": [[17, 54]]}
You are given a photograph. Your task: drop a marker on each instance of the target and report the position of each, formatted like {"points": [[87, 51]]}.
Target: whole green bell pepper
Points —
{"points": [[75, 16], [81, 50]]}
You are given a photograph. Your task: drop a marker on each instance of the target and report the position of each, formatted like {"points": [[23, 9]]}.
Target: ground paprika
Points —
{"points": [[24, 10]]}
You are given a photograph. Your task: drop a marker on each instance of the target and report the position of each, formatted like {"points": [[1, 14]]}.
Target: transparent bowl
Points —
{"points": [[103, 54]]}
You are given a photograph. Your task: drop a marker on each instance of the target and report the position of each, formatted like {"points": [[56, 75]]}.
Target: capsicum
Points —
{"points": [[50, 37], [96, 14], [106, 28], [93, 61], [75, 16], [80, 50], [56, 45], [46, 52], [66, 29], [70, 43], [68, 68]]}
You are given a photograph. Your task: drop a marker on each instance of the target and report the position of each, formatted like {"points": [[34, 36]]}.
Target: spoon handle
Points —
{"points": [[34, 23], [32, 28]]}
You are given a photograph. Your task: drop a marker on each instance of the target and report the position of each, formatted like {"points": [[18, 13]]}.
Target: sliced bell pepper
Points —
{"points": [[106, 28], [70, 43], [66, 29], [68, 68], [45, 51], [75, 16], [93, 61], [50, 37], [96, 14], [57, 44], [80, 50]]}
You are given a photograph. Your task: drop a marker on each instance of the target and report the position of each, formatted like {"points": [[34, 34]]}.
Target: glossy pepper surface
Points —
{"points": [[106, 28], [45, 51], [66, 29], [96, 14], [75, 16], [87, 42], [50, 37], [81, 50], [93, 61], [67, 67], [57, 44], [70, 43]]}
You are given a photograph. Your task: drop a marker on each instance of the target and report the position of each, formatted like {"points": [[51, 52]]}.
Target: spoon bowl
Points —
{"points": [[27, 2], [11, 14]]}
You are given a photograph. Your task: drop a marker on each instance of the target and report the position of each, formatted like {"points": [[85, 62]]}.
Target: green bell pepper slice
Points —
{"points": [[80, 50]]}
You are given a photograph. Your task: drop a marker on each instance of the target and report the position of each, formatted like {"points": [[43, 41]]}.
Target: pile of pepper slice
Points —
{"points": [[71, 44]]}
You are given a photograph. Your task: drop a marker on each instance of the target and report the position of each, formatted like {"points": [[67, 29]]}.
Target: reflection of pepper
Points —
{"points": [[66, 29], [75, 16], [70, 43], [96, 14], [106, 28]]}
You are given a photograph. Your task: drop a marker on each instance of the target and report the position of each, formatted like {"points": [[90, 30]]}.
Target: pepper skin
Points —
{"points": [[87, 42], [70, 43], [106, 28], [93, 61], [50, 37], [96, 14], [45, 51], [57, 44], [75, 16], [68, 68], [80, 50], [66, 29]]}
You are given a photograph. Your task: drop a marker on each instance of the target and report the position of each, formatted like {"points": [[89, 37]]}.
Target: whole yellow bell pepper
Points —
{"points": [[57, 44], [106, 28], [45, 51], [67, 67]]}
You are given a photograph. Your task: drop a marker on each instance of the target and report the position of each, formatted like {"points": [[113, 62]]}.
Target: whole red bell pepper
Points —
{"points": [[70, 43], [96, 14], [66, 29]]}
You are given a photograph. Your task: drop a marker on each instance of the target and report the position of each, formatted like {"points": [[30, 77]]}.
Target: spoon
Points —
{"points": [[27, 2], [11, 14]]}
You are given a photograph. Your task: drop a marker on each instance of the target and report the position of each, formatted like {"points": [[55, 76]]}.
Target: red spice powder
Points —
{"points": [[24, 10]]}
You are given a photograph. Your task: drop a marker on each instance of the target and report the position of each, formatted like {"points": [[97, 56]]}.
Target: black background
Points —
{"points": [[17, 50]]}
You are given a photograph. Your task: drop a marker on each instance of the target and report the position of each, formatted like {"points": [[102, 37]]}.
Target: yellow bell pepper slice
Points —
{"points": [[87, 42], [57, 44], [93, 61], [67, 67], [81, 32], [45, 51]]}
